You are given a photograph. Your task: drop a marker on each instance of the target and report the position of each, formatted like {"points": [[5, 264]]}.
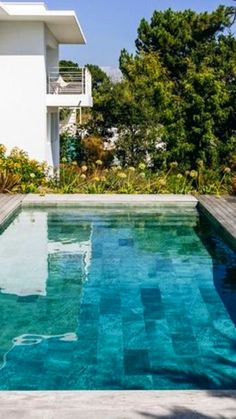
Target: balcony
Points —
{"points": [[69, 87]]}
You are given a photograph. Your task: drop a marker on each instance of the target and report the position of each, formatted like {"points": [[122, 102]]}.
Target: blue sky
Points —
{"points": [[110, 25]]}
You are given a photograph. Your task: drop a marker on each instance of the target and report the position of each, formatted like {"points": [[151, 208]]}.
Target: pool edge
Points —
{"points": [[119, 404]]}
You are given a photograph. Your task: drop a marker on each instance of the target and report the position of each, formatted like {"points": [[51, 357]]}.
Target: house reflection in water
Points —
{"points": [[51, 255]]}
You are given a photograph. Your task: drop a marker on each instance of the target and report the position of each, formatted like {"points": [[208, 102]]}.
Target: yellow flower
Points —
{"points": [[83, 176], [131, 169], [96, 178], [162, 182], [2, 149], [74, 163], [174, 164], [116, 168], [32, 175], [142, 175], [99, 162], [193, 174], [142, 166], [179, 176], [200, 163], [122, 175], [84, 169], [227, 170]]}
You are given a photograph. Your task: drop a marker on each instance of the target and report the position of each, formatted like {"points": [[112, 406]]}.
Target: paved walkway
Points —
{"points": [[118, 405]]}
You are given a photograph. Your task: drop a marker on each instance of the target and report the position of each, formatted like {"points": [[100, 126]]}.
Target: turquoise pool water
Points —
{"points": [[116, 299]]}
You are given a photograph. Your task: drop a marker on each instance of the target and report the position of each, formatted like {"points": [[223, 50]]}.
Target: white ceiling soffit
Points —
{"points": [[63, 24]]}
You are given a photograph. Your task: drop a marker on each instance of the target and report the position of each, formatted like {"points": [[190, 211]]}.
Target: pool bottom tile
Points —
{"points": [[119, 300]]}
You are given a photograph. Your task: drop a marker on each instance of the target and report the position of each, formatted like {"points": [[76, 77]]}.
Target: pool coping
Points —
{"points": [[221, 212], [118, 404], [123, 199], [11, 204]]}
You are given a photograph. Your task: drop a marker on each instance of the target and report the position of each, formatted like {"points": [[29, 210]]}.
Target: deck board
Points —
{"points": [[223, 210], [9, 204]]}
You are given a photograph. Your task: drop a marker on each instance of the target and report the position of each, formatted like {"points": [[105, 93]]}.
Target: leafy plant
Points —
{"points": [[131, 180], [8, 181], [19, 173], [234, 185]]}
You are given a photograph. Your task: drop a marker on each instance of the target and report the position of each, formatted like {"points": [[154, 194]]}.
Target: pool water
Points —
{"points": [[95, 299]]}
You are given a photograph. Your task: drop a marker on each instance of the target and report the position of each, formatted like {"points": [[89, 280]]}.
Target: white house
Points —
{"points": [[32, 89]]}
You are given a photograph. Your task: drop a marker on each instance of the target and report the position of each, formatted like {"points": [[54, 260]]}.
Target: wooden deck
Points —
{"points": [[9, 204], [222, 211]]}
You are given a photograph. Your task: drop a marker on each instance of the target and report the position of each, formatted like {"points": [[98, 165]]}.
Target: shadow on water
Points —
{"points": [[213, 379], [224, 263]]}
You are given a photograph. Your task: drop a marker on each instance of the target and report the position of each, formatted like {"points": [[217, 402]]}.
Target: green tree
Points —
{"points": [[198, 57], [98, 76], [134, 106], [180, 37], [67, 65]]}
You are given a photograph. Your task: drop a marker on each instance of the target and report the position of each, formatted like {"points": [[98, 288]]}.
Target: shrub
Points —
{"points": [[8, 181], [88, 149], [70, 147], [19, 173], [130, 180], [234, 185], [93, 148]]}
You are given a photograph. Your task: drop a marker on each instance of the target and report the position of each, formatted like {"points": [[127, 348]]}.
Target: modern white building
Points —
{"points": [[32, 88]]}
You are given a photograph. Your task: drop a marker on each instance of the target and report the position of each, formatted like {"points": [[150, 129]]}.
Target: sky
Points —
{"points": [[110, 25]]}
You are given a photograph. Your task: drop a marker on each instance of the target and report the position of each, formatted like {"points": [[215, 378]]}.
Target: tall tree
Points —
{"points": [[98, 76], [197, 53], [182, 36]]}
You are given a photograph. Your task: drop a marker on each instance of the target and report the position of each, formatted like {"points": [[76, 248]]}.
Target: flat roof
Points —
{"points": [[64, 24]]}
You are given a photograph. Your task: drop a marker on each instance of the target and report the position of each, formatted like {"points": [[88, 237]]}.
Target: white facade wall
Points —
{"points": [[53, 129], [29, 50], [23, 87]]}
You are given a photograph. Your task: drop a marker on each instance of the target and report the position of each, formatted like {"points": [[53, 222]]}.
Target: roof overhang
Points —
{"points": [[64, 25]]}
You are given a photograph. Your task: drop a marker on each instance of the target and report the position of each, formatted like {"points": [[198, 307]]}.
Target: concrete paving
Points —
{"points": [[118, 405], [84, 199]]}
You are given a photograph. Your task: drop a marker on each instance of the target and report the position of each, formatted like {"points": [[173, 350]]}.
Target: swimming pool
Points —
{"points": [[95, 299]]}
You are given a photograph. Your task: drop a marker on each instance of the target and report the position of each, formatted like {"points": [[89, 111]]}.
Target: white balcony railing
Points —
{"points": [[69, 81]]}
